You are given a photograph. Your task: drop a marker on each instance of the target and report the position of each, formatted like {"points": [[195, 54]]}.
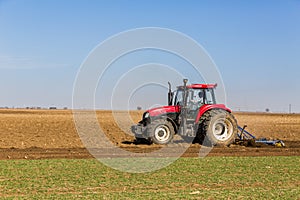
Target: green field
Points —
{"points": [[187, 178]]}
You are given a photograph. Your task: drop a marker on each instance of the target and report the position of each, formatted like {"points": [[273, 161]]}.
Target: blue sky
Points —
{"points": [[255, 44]]}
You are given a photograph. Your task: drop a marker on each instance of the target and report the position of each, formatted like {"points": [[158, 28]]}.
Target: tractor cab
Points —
{"points": [[197, 95]]}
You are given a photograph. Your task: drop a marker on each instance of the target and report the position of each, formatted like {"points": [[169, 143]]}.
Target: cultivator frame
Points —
{"points": [[248, 139]]}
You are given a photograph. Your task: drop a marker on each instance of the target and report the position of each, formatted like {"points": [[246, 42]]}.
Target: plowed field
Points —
{"points": [[37, 134]]}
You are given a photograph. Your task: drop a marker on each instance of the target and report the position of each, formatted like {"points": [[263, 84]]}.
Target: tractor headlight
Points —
{"points": [[146, 115]]}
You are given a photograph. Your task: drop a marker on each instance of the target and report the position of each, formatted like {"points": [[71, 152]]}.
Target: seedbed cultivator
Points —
{"points": [[247, 139]]}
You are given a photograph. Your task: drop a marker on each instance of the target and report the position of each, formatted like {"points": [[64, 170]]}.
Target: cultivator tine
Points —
{"points": [[245, 135], [242, 132]]}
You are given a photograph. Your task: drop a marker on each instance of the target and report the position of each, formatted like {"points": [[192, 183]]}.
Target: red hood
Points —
{"points": [[162, 110]]}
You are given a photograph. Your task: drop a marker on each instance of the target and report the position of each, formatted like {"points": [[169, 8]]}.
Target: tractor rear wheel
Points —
{"points": [[161, 131], [219, 128]]}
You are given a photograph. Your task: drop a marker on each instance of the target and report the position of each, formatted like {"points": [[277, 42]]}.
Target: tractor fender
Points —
{"points": [[203, 109], [175, 126]]}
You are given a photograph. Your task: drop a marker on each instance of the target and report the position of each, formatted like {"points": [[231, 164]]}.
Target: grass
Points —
{"points": [[187, 178]]}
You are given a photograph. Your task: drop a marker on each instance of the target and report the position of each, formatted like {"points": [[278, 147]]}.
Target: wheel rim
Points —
{"points": [[162, 133], [222, 129]]}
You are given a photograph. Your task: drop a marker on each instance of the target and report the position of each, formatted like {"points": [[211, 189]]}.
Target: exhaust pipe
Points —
{"points": [[170, 95], [184, 109]]}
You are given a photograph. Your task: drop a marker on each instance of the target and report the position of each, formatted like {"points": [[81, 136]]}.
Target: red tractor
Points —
{"points": [[192, 113]]}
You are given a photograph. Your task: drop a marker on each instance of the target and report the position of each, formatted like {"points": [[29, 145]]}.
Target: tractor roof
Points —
{"points": [[200, 86]]}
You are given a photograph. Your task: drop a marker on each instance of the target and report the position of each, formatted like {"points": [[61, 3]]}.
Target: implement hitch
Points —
{"points": [[247, 139]]}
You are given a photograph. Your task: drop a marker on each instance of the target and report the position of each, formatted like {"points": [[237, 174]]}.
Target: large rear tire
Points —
{"points": [[161, 131], [219, 128]]}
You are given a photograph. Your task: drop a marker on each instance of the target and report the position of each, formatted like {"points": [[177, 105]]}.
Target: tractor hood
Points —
{"points": [[163, 110]]}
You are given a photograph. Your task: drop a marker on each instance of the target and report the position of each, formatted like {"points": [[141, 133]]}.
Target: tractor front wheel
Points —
{"points": [[161, 132]]}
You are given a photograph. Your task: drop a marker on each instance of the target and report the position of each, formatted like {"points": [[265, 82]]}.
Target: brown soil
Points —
{"points": [[39, 134]]}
